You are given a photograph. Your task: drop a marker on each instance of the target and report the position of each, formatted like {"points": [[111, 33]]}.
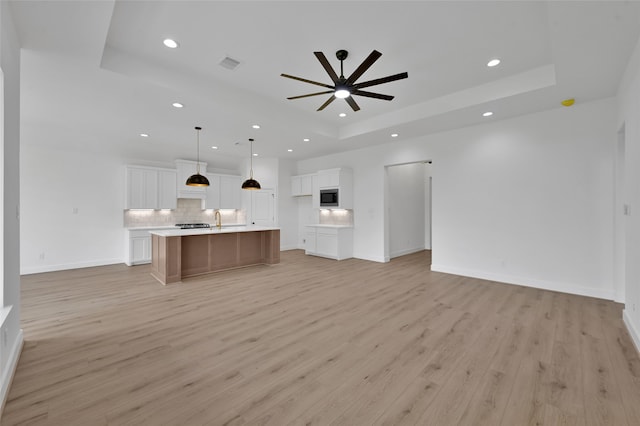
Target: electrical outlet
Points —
{"points": [[75, 210], [304, 241], [41, 256]]}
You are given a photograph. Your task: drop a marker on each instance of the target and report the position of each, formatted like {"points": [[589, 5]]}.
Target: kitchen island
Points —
{"points": [[182, 253]]}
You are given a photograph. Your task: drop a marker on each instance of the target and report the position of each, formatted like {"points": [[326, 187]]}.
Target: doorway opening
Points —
{"points": [[408, 209]]}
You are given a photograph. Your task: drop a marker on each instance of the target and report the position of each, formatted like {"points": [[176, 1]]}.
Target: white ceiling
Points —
{"points": [[96, 74]]}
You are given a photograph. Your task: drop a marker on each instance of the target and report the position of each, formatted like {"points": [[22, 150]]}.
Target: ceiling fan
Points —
{"points": [[345, 88]]}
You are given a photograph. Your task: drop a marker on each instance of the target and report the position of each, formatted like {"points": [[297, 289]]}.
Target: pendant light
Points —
{"points": [[198, 179], [251, 183]]}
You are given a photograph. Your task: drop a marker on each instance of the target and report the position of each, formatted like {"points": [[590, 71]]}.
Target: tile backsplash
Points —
{"points": [[336, 217], [187, 211]]}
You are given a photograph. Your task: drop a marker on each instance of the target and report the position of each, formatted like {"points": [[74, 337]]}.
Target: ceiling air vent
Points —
{"points": [[229, 63]]}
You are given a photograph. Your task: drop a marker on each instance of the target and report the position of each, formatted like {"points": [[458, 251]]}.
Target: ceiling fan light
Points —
{"points": [[342, 93]]}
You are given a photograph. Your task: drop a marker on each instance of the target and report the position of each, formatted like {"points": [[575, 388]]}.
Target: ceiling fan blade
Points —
{"points": [[324, 105], [381, 80], [372, 95], [307, 81], [327, 67], [364, 66], [354, 106], [311, 94]]}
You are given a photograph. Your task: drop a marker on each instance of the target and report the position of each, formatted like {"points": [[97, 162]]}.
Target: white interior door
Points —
{"points": [[263, 207]]}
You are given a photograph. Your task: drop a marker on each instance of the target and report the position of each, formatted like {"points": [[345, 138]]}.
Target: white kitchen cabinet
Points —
{"points": [[329, 178], [223, 192], [310, 240], [341, 179], [150, 188], [302, 185], [185, 169], [230, 195], [167, 195], [141, 188], [315, 192], [334, 242], [212, 201], [137, 247]]}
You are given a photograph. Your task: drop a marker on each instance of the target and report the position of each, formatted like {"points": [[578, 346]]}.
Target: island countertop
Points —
{"points": [[212, 230]]}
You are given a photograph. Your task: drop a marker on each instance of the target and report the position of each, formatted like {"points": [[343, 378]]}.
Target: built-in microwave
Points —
{"points": [[329, 197]]}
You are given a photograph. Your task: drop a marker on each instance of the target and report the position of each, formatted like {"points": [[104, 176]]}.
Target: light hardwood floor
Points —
{"points": [[312, 341]]}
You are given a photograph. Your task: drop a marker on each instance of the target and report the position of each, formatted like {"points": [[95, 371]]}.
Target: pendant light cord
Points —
{"points": [[251, 160], [198, 154]]}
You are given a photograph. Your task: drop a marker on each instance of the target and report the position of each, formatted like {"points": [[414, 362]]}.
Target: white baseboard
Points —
{"points": [[406, 251], [633, 332], [527, 282], [371, 258], [26, 270], [9, 371]]}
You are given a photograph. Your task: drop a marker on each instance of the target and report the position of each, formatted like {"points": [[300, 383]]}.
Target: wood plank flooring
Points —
{"points": [[312, 341]]}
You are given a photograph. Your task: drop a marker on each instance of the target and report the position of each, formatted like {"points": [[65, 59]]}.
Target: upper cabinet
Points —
{"points": [[141, 190], [167, 195], [341, 179], [329, 178], [230, 192], [223, 192], [212, 201], [155, 188], [186, 169], [302, 185], [150, 188]]}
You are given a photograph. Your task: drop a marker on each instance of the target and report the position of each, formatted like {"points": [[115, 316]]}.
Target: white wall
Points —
{"points": [[629, 193], [11, 334], [526, 200], [56, 184], [406, 208]]}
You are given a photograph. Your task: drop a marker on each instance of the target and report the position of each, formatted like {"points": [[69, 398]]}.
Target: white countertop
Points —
{"points": [[206, 231], [144, 228], [322, 225]]}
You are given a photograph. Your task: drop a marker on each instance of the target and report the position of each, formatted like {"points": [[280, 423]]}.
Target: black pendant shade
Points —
{"points": [[197, 179], [251, 183]]}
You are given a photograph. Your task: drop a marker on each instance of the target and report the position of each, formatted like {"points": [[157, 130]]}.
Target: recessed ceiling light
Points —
{"points": [[289, 150], [171, 44], [256, 126], [394, 135], [487, 114], [305, 140], [214, 147], [255, 154], [144, 135], [493, 62], [177, 104], [342, 114]]}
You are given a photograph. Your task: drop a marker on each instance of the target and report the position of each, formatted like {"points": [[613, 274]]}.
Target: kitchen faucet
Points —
{"points": [[218, 218]]}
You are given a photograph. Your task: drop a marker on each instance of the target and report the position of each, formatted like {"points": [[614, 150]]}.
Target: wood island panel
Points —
{"points": [[223, 249], [195, 255], [177, 257], [166, 259]]}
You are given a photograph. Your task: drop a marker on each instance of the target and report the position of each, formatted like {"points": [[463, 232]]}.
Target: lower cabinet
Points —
{"points": [[137, 246], [334, 242]]}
